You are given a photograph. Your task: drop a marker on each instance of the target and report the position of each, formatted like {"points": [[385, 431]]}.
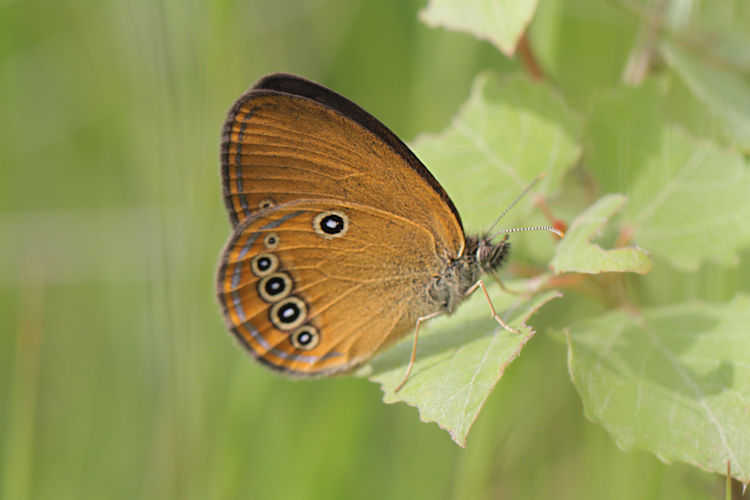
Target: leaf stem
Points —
{"points": [[528, 59], [642, 56]]}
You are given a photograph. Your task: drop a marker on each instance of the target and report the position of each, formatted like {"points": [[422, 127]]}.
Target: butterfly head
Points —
{"points": [[490, 256]]}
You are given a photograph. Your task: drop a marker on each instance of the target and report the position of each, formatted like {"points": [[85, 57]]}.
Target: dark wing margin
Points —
{"points": [[295, 85]]}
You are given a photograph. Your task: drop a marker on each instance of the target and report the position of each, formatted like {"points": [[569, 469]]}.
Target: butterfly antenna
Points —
{"points": [[513, 203], [535, 228]]}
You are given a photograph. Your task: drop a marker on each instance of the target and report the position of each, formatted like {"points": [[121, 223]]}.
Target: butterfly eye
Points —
{"points": [[274, 287], [264, 264], [331, 224], [288, 313], [305, 338], [271, 241]]}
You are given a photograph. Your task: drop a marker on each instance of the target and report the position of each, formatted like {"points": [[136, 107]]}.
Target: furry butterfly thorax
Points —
{"points": [[480, 256]]}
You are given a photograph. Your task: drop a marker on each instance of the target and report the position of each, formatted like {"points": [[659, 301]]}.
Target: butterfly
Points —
{"points": [[343, 241]]}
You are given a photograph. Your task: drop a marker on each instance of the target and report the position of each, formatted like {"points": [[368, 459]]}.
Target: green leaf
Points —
{"points": [[502, 22], [682, 107], [674, 381], [719, 27], [623, 130], [582, 46], [507, 133], [726, 93], [691, 203], [576, 253], [459, 361], [688, 197]]}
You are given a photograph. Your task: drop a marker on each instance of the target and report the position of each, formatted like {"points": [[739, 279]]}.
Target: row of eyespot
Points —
{"points": [[288, 312]]}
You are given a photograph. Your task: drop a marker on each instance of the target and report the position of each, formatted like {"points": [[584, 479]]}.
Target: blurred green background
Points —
{"points": [[117, 378]]}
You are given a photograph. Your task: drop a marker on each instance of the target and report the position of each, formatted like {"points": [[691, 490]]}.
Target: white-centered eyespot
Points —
{"points": [[264, 264], [305, 338], [275, 287], [271, 241], [332, 224], [266, 203], [288, 313]]}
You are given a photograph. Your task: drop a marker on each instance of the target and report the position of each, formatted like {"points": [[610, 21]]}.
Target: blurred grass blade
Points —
{"points": [[21, 411]]}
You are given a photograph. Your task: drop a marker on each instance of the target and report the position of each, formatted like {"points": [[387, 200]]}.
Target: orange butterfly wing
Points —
{"points": [[289, 138], [311, 303]]}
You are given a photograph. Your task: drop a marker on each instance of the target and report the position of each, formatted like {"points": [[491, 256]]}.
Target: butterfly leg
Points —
{"points": [[480, 284], [505, 289], [414, 347]]}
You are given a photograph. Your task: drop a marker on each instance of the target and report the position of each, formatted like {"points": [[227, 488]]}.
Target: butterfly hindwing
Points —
{"points": [[314, 287]]}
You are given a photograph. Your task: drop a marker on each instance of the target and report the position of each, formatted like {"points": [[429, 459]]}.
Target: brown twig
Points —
{"points": [[528, 60]]}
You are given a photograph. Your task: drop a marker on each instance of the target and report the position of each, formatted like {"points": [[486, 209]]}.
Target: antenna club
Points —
{"points": [[560, 225]]}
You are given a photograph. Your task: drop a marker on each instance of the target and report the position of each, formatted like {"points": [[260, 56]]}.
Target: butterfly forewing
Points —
{"points": [[278, 147], [318, 286]]}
